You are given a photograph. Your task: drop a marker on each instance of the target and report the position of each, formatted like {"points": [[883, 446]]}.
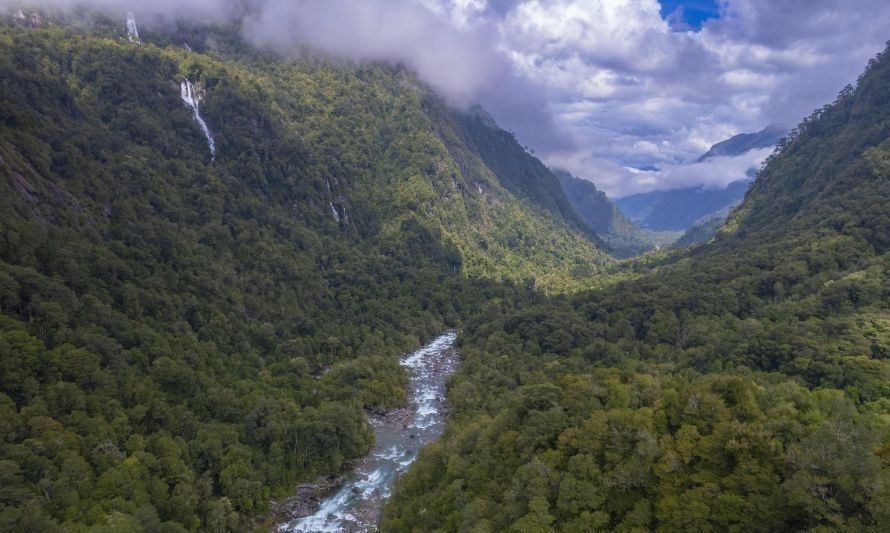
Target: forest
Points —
{"points": [[742, 385], [183, 339]]}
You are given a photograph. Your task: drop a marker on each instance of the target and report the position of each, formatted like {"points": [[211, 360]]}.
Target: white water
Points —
{"points": [[335, 213], [132, 29], [356, 504], [187, 91]]}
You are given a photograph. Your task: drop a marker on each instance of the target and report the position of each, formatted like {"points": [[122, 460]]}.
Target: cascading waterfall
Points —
{"points": [[132, 29], [191, 99]]}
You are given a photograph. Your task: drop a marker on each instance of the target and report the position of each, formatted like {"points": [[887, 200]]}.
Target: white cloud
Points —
{"points": [[609, 175], [593, 85], [633, 93]]}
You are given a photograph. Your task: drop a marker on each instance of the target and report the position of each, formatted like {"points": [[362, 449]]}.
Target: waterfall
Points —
{"points": [[132, 30], [187, 91]]}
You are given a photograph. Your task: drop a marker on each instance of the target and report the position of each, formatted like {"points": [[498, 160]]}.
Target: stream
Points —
{"points": [[356, 504]]}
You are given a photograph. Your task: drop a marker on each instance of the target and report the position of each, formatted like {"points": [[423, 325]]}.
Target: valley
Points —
{"points": [[214, 251]]}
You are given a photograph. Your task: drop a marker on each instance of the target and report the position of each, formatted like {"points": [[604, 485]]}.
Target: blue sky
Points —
{"points": [[694, 12]]}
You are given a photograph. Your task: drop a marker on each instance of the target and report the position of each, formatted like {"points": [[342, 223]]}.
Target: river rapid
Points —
{"points": [[355, 505]]}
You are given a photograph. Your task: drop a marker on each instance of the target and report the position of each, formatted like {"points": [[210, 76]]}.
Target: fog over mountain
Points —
{"points": [[598, 87], [224, 225]]}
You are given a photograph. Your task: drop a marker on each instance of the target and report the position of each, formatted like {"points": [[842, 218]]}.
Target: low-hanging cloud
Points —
{"points": [[462, 62], [156, 11], [715, 173], [595, 86], [712, 173]]}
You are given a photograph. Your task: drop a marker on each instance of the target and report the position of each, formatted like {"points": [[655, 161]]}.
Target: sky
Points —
{"points": [[689, 14], [601, 88]]}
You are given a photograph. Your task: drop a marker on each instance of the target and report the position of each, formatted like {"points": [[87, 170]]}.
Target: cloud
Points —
{"points": [[460, 62], [619, 180], [634, 92], [450, 45], [596, 86]]}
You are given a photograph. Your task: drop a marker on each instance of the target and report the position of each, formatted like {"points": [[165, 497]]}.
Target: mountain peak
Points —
{"points": [[745, 142]]}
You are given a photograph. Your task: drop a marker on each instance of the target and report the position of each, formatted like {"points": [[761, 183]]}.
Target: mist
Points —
{"points": [[595, 86], [462, 64], [618, 181]]}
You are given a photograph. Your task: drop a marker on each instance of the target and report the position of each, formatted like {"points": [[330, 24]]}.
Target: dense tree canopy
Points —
{"points": [[742, 386], [184, 339]]}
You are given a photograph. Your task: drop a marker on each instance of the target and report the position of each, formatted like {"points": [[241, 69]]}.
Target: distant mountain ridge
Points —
{"points": [[680, 209], [745, 142], [602, 216]]}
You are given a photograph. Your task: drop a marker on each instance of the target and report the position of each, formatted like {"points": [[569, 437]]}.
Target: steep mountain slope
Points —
{"points": [[745, 142], [602, 216], [680, 209], [521, 173], [739, 386], [187, 334]]}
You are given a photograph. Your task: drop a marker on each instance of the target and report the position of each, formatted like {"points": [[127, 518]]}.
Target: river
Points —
{"points": [[356, 504]]}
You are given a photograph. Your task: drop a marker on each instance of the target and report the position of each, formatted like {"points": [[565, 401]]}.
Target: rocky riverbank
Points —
{"points": [[352, 502]]}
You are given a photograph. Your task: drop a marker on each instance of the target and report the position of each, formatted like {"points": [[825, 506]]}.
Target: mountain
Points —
{"points": [[520, 173], [680, 209], [211, 258], [703, 231], [745, 142], [602, 216], [737, 385]]}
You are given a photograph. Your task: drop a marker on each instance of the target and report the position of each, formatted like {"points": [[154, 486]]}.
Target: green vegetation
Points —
{"points": [[183, 340], [606, 221], [520, 172], [741, 386], [602, 216]]}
